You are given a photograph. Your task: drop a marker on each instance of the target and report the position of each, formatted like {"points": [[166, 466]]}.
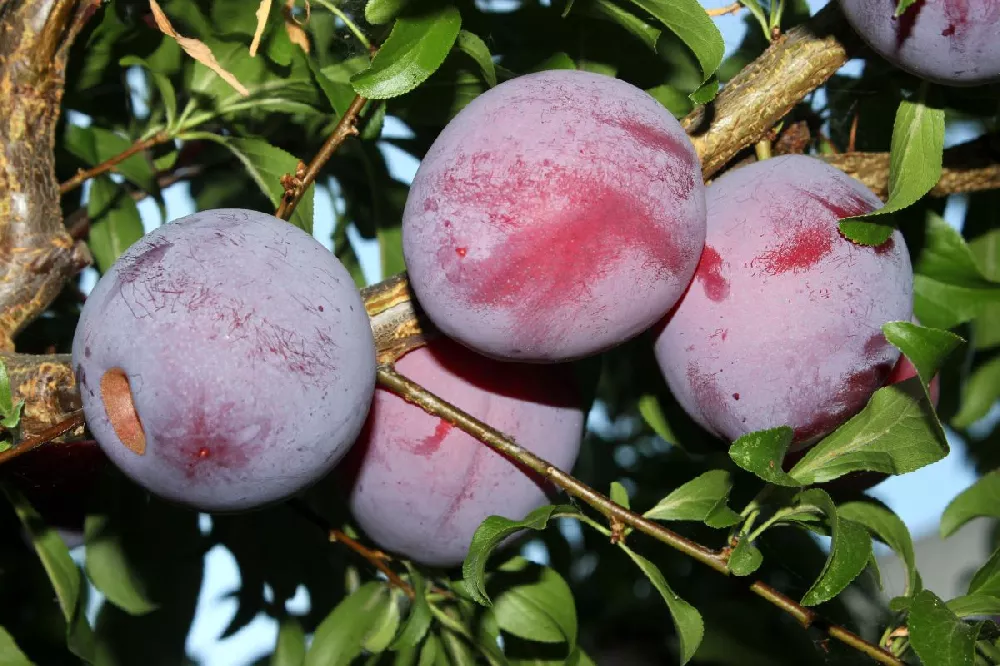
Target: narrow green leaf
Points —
{"points": [[618, 494], [914, 156], [973, 605], [167, 94], [490, 533], [470, 44], [897, 432], [10, 653], [66, 578], [762, 453], [290, 649], [339, 637], [701, 498], [980, 499], [115, 221], [266, 164], [94, 145], [986, 251], [541, 609], [688, 20], [419, 620], [927, 348], [850, 550], [891, 530], [979, 393], [340, 94], [986, 580], [937, 635], [610, 11], [745, 558], [414, 50], [383, 626], [378, 12], [652, 414], [687, 619]]}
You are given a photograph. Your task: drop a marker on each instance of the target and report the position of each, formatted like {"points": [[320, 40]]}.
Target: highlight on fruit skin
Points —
{"points": [[225, 361], [782, 324], [953, 42], [420, 486], [558, 215]]}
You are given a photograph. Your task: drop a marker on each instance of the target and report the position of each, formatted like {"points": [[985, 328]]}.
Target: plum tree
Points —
{"points": [[782, 322], [556, 216], [225, 361], [949, 41], [422, 487]]}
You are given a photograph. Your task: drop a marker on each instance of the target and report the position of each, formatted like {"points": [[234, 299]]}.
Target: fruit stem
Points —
{"points": [[416, 394]]}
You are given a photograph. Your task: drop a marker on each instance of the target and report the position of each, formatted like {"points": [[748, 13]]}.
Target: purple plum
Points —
{"points": [[955, 42], [421, 486], [557, 215], [782, 322], [225, 360]]}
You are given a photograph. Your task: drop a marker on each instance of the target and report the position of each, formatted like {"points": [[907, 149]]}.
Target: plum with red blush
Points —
{"points": [[225, 361]]}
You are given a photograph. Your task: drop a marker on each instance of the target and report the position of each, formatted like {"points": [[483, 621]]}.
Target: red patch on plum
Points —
{"points": [[806, 247], [430, 444], [709, 273]]}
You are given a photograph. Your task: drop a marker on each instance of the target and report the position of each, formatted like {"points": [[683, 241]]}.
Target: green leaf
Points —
{"points": [[340, 637], [672, 99], [745, 558], [986, 251], [652, 414], [609, 11], [290, 649], [974, 604], [107, 564], [986, 580], [927, 348], [470, 44], [897, 432], [419, 620], [266, 164], [979, 393], [702, 498], [414, 50], [706, 92], [383, 626], [891, 530], [340, 94], [115, 221], [67, 581], [687, 619], [94, 145], [490, 533], [902, 6], [618, 494], [541, 609], [850, 550], [949, 288], [10, 654], [688, 20], [914, 158], [980, 499], [865, 232], [937, 635], [9, 410], [167, 94], [762, 453], [378, 12]]}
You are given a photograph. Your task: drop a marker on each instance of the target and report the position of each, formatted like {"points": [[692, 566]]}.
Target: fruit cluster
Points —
{"points": [[226, 360]]}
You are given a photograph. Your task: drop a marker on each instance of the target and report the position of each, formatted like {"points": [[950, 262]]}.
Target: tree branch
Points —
{"points": [[346, 127], [37, 256], [71, 422], [109, 164]]}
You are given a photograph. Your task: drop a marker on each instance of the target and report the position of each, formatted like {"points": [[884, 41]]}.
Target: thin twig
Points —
{"points": [[74, 420], [110, 163], [718, 560], [722, 11], [376, 558], [355, 30], [345, 128]]}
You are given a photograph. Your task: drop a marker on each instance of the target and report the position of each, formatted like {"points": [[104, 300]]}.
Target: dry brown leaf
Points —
{"points": [[263, 11], [296, 33], [195, 48]]}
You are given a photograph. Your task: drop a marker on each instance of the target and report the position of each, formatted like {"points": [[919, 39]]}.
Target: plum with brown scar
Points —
{"points": [[782, 324], [421, 487], [225, 361], [556, 216]]}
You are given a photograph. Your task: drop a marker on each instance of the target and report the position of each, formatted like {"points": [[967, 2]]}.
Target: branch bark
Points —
{"points": [[37, 256]]}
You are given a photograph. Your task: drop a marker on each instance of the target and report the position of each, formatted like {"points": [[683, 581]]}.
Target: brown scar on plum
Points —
{"points": [[116, 395]]}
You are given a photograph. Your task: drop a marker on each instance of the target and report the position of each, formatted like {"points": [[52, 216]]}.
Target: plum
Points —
{"points": [[225, 360], [421, 486], [782, 322], [557, 215], [954, 42]]}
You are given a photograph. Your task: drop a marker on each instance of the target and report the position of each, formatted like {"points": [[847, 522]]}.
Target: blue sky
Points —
{"points": [[918, 497]]}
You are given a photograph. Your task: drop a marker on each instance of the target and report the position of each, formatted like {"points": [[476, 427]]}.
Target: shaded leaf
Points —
{"points": [[115, 221], [974, 605], [980, 499], [745, 558], [979, 393], [476, 48], [986, 580], [688, 20], [94, 145], [339, 638], [290, 649], [850, 550], [937, 635], [10, 654], [540, 610], [891, 530]]}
